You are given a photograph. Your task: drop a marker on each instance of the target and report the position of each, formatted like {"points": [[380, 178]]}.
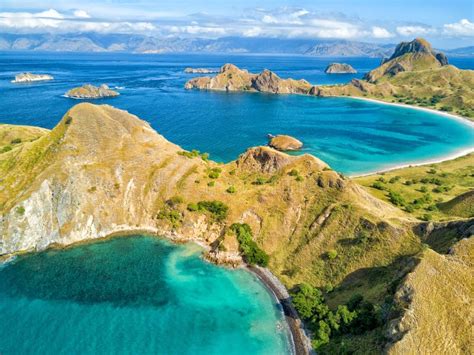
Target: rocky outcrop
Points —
{"points": [[232, 78], [91, 92], [199, 71], [408, 56], [29, 77], [285, 143], [340, 68]]}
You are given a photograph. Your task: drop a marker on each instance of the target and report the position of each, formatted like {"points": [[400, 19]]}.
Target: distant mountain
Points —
{"points": [[350, 49], [92, 42], [461, 52]]}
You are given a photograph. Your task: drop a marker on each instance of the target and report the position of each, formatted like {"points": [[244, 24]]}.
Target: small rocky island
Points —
{"points": [[29, 77], [91, 92], [340, 68], [284, 143], [200, 71]]}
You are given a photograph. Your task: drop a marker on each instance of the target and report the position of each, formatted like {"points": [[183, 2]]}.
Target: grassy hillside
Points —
{"points": [[316, 226], [428, 192]]}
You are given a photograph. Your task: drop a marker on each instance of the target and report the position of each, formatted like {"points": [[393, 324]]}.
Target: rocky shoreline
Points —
{"points": [[300, 338]]}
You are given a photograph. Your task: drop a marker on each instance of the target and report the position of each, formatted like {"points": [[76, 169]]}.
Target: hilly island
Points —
{"points": [[351, 261]]}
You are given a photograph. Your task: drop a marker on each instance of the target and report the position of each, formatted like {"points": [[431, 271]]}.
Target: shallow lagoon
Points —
{"points": [[134, 295]]}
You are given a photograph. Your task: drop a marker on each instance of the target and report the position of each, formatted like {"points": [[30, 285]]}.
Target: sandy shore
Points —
{"points": [[457, 154], [301, 341], [426, 109]]}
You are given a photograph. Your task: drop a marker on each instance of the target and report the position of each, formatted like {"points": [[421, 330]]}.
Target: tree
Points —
{"points": [[321, 335], [306, 299]]}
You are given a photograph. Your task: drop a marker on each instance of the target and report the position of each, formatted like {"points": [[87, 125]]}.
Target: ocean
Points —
{"points": [[352, 136]]}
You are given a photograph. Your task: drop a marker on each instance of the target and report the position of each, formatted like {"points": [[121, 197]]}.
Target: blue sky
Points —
{"points": [[446, 23]]}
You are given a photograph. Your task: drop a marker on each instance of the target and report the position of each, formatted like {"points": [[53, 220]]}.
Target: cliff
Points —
{"points": [[232, 78]]}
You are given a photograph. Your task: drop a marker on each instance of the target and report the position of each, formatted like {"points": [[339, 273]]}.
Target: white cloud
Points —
{"points": [[53, 21], [380, 32], [462, 28], [81, 14], [415, 30], [197, 30]]}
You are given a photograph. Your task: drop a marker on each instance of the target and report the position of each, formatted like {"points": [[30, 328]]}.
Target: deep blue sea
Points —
{"points": [[354, 137], [135, 295]]}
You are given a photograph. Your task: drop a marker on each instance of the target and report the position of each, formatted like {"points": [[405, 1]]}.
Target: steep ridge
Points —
{"points": [[438, 301]]}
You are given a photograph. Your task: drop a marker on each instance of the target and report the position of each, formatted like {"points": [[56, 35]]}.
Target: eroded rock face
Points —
{"points": [[340, 68], [285, 143], [91, 92]]}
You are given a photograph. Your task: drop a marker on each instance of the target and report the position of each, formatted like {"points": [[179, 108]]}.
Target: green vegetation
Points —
{"points": [[214, 173], [194, 154], [20, 210], [16, 141], [231, 189], [171, 215], [355, 317], [425, 191], [249, 249], [217, 209]]}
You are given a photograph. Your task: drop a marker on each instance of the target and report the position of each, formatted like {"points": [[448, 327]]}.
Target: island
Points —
{"points": [[29, 77], [340, 68], [199, 71], [88, 91], [354, 260], [411, 76], [232, 78], [284, 143]]}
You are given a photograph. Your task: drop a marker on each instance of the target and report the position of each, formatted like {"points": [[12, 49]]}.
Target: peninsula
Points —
{"points": [[91, 92], [307, 223], [414, 75], [29, 77]]}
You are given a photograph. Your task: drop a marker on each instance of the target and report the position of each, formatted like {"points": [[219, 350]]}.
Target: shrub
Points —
{"points": [[231, 189], [211, 183], [217, 209], [259, 181], [394, 179], [20, 210], [16, 141], [423, 189], [331, 254], [251, 252], [175, 200], [378, 185], [192, 154], [409, 208], [396, 198], [5, 149], [299, 178], [232, 172], [193, 207], [214, 173], [171, 215], [427, 217], [431, 171], [293, 172]]}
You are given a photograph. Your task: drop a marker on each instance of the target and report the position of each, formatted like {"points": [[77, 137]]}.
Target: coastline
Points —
{"points": [[425, 109], [458, 154], [300, 339]]}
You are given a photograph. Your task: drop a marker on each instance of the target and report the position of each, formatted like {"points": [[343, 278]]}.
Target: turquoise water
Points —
{"points": [[353, 137], [134, 295]]}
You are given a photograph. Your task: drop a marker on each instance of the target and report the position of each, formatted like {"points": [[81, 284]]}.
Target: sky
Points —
{"points": [[446, 23]]}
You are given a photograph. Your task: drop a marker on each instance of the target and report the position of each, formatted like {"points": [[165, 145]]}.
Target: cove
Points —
{"points": [[135, 295]]}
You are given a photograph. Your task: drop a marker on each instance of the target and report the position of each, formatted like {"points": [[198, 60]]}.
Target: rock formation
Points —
{"points": [[91, 92], [29, 77], [284, 143], [340, 68], [232, 78]]}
